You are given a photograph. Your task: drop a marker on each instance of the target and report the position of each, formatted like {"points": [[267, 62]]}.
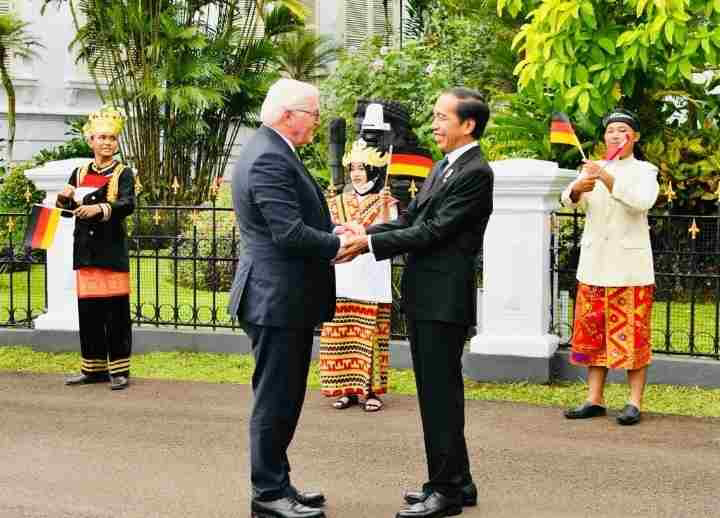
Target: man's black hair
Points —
{"points": [[471, 106]]}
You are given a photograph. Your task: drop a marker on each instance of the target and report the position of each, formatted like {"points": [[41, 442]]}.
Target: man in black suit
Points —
{"points": [[442, 233], [284, 286]]}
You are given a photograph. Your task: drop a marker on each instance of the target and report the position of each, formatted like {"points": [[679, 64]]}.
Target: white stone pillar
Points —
{"points": [[62, 311], [516, 260]]}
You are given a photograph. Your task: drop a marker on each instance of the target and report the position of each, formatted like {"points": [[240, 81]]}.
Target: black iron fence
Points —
{"points": [[182, 262], [23, 275], [686, 252]]}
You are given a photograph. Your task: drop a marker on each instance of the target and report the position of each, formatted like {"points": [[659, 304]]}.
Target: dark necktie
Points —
{"points": [[437, 174]]}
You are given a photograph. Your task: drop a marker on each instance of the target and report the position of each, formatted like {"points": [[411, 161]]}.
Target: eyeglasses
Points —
{"points": [[315, 115]]}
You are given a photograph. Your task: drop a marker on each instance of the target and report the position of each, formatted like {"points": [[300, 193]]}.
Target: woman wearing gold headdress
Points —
{"points": [[102, 195], [354, 346]]}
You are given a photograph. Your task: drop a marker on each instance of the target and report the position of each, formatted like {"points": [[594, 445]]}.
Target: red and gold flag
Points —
{"points": [[562, 132], [614, 151], [409, 164], [41, 228]]}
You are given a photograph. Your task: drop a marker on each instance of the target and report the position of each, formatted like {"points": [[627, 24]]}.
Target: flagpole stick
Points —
{"points": [[386, 211], [54, 208]]}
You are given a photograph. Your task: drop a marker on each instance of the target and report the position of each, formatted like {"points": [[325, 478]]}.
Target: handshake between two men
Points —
{"points": [[353, 241]]}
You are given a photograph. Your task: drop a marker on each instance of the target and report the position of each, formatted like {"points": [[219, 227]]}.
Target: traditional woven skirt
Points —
{"points": [[354, 349], [612, 327]]}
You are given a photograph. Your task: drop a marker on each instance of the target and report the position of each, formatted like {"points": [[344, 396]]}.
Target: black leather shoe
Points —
{"points": [[308, 498], [468, 491], [118, 382], [630, 415], [85, 379], [434, 506], [585, 411], [286, 507]]}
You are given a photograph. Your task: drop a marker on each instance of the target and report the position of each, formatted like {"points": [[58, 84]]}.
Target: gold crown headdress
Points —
{"points": [[361, 153], [105, 120]]}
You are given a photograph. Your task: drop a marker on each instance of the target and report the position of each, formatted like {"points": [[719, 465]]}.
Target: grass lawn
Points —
{"points": [[159, 293], [237, 368]]}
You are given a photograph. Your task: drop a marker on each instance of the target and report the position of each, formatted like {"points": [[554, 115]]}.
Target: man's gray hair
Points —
{"points": [[286, 94]]}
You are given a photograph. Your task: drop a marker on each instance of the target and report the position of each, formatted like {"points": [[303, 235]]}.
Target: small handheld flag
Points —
{"points": [[562, 132], [40, 231], [614, 151], [410, 165]]}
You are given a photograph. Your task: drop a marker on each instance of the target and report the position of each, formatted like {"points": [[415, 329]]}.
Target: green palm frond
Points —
{"points": [[305, 56]]}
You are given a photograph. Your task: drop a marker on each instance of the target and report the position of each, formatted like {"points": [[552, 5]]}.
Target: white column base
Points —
{"points": [[541, 346], [61, 321]]}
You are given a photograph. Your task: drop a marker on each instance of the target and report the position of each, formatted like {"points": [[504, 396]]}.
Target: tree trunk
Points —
{"points": [[10, 92]]}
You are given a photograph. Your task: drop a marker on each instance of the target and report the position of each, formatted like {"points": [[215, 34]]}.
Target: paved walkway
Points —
{"points": [[176, 449]]}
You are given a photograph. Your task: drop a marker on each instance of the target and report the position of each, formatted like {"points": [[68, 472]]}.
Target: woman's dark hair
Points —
{"points": [[471, 106]]}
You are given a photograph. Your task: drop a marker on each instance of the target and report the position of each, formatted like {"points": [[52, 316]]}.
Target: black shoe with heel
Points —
{"points": [[629, 415], [586, 411], [286, 507], [468, 491], [435, 505]]}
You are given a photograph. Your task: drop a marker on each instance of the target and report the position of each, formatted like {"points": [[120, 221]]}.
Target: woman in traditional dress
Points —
{"points": [[354, 346], [615, 275]]}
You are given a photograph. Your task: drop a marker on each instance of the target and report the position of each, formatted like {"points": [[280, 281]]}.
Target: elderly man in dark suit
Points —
{"points": [[441, 232], [284, 286]]}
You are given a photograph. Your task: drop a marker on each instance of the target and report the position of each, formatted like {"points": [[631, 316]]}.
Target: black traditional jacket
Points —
{"points": [[101, 241]]}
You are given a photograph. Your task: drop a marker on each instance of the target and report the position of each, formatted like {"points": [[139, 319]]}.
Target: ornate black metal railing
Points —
{"points": [[686, 254], [182, 261], [23, 276]]}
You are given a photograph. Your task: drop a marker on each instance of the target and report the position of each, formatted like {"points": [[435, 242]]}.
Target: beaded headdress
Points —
{"points": [[362, 153], [105, 120]]}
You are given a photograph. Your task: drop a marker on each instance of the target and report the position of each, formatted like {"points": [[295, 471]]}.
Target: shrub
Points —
{"points": [[214, 268]]}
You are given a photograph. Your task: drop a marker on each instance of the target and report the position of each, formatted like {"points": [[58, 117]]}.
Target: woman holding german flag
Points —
{"points": [[102, 195], [615, 273]]}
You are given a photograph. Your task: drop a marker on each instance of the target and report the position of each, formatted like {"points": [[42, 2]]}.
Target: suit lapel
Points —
{"points": [[450, 176], [304, 171]]}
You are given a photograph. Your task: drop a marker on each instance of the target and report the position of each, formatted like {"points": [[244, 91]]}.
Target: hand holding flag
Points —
{"points": [[562, 132]]}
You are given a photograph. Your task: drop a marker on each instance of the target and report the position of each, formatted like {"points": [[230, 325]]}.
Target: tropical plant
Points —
{"points": [[595, 53], [304, 55], [415, 23], [188, 74], [659, 59], [15, 42], [466, 49]]}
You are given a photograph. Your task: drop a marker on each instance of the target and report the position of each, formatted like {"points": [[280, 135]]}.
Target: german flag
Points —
{"points": [[41, 229], [562, 132], [409, 165]]}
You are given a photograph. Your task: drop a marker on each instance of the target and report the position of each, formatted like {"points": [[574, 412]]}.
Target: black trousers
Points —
{"points": [[282, 362], [105, 335], [437, 349]]}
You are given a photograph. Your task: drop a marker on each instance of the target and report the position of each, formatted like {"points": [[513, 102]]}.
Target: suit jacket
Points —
{"points": [[102, 242], [442, 232], [615, 246], [284, 277]]}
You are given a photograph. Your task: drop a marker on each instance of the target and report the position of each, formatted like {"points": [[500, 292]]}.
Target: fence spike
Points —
{"points": [[694, 230]]}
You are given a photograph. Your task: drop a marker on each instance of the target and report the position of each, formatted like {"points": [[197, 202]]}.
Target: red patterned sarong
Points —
{"points": [[101, 282], [354, 349], [612, 327]]}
